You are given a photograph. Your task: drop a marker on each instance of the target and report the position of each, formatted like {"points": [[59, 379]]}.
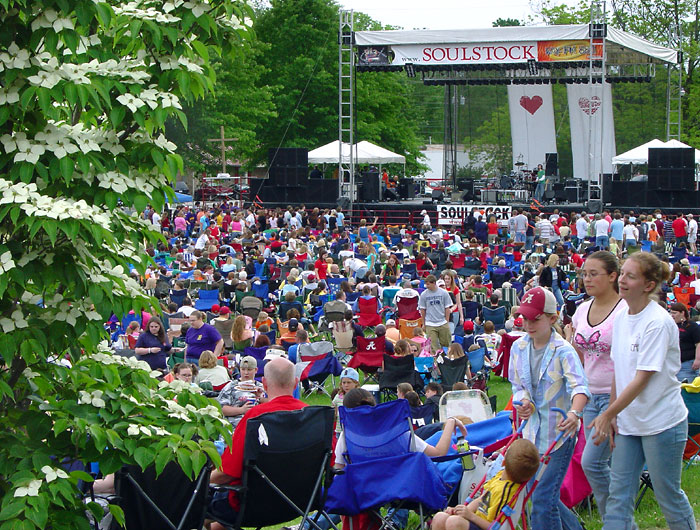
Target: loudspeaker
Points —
{"points": [[369, 187], [465, 184], [390, 194], [288, 166], [438, 195], [467, 196], [324, 190], [406, 188], [550, 164], [595, 205], [571, 193]]}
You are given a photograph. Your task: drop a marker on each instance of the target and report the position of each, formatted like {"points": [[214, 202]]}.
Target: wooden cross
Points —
{"points": [[223, 141]]}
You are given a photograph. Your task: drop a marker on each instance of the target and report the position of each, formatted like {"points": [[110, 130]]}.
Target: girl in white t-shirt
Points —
{"points": [[590, 332], [646, 414]]}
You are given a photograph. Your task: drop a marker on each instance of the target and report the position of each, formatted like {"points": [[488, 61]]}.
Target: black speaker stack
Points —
{"points": [[671, 181], [551, 164], [369, 187], [406, 188]]}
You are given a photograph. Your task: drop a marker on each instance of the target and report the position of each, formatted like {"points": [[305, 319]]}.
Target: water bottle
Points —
{"points": [[467, 460]]}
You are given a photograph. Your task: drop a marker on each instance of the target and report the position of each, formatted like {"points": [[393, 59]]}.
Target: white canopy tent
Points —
{"points": [[640, 154], [363, 153]]}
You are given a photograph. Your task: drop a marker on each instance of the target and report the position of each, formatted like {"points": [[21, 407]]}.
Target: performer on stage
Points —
{"points": [[541, 183]]}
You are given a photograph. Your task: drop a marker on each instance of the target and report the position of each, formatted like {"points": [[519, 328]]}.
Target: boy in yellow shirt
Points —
{"points": [[520, 465]]}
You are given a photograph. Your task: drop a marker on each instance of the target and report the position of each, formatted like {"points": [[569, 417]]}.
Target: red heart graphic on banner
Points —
{"points": [[531, 104], [589, 106]]}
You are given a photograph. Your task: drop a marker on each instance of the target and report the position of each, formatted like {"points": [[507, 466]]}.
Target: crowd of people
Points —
{"points": [[600, 308]]}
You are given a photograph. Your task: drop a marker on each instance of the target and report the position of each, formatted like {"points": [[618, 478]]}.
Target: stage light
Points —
{"points": [[410, 71], [532, 67], [538, 81]]}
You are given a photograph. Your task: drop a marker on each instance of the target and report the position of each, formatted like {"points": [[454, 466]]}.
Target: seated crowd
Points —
{"points": [[239, 289]]}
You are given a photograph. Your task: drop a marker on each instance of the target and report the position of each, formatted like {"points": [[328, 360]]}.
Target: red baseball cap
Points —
{"points": [[537, 301], [468, 325], [518, 322], [215, 308], [224, 311]]}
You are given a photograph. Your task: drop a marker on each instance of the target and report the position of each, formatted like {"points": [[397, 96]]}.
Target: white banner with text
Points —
{"points": [[454, 214]]}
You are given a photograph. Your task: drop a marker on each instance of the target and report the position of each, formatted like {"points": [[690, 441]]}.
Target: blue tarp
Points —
{"points": [[180, 197]]}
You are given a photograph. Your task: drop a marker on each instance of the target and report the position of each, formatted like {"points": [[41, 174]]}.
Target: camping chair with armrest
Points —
{"points": [[343, 335], [423, 415], [315, 364], [369, 312], [369, 356], [471, 403], [169, 500], [334, 284], [470, 309], [261, 288], [398, 370], [259, 354], [206, 298], [290, 472], [451, 370], [692, 448], [424, 367], [496, 315], [510, 295], [407, 308], [251, 306], [478, 368], [224, 328], [410, 269], [240, 295], [178, 296], [406, 327], [388, 296], [381, 466]]}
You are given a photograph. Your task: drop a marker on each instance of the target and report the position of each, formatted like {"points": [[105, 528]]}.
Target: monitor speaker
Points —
{"points": [[369, 187], [595, 205], [406, 188], [438, 195]]}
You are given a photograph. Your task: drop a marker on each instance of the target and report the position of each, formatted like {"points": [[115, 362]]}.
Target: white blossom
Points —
{"points": [[53, 473], [32, 490], [131, 101], [50, 19], [6, 262], [45, 79]]}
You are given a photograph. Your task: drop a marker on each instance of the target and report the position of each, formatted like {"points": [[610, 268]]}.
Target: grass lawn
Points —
{"points": [[649, 514]]}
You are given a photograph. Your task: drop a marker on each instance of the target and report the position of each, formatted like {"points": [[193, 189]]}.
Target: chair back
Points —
{"points": [[178, 297], [376, 432], [399, 370], [312, 351], [334, 284], [388, 295], [277, 462], [181, 500], [458, 261], [411, 269], [480, 297], [334, 311], [261, 288], [206, 298], [251, 306], [368, 311], [342, 335], [406, 327], [422, 415], [451, 370], [369, 355], [682, 295], [470, 309], [496, 315], [476, 359], [471, 403], [407, 308], [510, 295], [259, 355], [224, 328]]}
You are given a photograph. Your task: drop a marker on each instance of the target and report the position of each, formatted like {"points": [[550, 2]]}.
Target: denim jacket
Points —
{"points": [[561, 377]]}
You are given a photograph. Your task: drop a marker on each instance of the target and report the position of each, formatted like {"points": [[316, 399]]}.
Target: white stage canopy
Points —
{"points": [[503, 45], [363, 153], [640, 154]]}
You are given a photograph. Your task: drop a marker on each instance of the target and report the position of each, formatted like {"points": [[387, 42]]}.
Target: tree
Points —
{"points": [[87, 88]]}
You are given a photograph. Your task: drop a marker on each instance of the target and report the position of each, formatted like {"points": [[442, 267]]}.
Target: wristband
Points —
{"points": [[576, 413]]}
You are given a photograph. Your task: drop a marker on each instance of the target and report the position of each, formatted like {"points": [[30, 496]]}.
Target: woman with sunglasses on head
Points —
{"points": [[590, 332], [646, 415]]}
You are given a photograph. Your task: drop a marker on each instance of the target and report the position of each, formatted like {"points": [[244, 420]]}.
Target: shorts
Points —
{"points": [[220, 509]]}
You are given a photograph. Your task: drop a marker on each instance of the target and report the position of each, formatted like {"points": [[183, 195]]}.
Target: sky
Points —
{"points": [[442, 14]]}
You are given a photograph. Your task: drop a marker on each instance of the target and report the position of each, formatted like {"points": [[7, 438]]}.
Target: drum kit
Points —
{"points": [[521, 178]]}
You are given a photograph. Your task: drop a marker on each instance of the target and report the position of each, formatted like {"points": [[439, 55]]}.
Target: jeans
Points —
{"points": [[323, 522], [361, 272], [520, 237], [595, 460], [547, 510], [686, 372], [529, 242], [663, 455], [556, 290], [539, 191], [398, 517], [603, 242]]}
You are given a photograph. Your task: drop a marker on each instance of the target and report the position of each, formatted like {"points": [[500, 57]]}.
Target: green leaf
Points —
{"points": [[4, 113], [26, 97], [104, 13], [157, 157], [67, 168], [140, 203], [50, 228], [198, 461], [117, 114], [201, 49], [117, 513], [143, 457], [183, 81], [26, 171], [71, 93], [185, 461], [11, 510], [38, 517], [164, 456]]}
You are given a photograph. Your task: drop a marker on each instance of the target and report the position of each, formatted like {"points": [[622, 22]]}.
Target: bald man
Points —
{"points": [[279, 382]]}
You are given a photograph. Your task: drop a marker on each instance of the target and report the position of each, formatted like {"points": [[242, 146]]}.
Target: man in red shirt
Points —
{"points": [[279, 382], [680, 227]]}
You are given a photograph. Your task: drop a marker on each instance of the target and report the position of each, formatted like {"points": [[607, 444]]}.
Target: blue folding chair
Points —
{"points": [[381, 467], [424, 366], [261, 289], [206, 298], [495, 315], [259, 355]]}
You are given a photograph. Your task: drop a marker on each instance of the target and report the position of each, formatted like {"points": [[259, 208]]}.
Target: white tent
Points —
{"points": [[363, 153], [640, 154]]}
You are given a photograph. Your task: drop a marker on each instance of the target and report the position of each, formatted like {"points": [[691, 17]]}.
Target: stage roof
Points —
{"points": [[364, 153], [503, 45]]}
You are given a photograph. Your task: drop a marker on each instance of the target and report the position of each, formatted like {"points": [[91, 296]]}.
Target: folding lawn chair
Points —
{"points": [[251, 306], [496, 315], [422, 415], [170, 501], [286, 462], [692, 448], [381, 468], [451, 370], [471, 403], [398, 370], [259, 355], [369, 356], [178, 297], [342, 335], [406, 327], [480, 373], [407, 308], [424, 367], [369, 312], [224, 328], [315, 364]]}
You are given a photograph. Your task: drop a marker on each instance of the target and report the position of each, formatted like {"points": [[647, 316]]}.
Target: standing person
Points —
{"points": [[551, 276], [153, 345], [689, 342], [435, 307], [590, 332], [425, 224], [692, 234], [581, 229], [602, 228], [646, 414], [201, 336], [546, 372], [679, 227], [520, 223], [541, 180]]}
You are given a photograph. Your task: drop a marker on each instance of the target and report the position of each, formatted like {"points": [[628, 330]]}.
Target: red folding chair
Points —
{"points": [[458, 261], [407, 308], [682, 295], [369, 356], [369, 312]]}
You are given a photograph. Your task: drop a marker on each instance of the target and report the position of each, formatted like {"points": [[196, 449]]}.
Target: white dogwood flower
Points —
{"points": [[45, 79], [53, 473], [131, 101], [31, 490], [6, 262]]}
